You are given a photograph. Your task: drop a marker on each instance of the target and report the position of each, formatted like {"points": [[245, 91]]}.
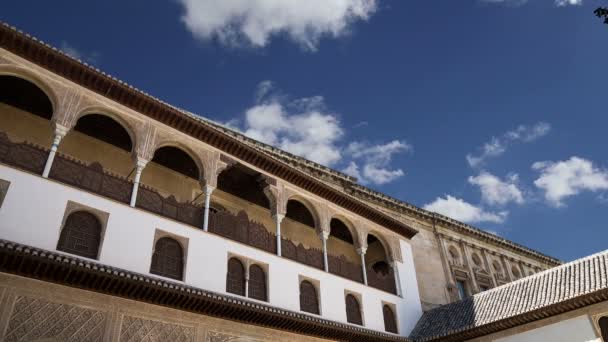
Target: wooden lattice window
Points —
{"points": [[309, 302], [390, 324], [235, 279], [168, 259], [257, 283], [81, 235], [353, 310], [603, 323]]}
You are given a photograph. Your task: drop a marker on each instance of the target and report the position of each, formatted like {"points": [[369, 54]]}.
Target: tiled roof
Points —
{"points": [[567, 287], [85, 274]]}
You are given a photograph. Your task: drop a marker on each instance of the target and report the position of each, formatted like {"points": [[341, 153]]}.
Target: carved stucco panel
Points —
{"points": [[38, 319], [136, 329]]}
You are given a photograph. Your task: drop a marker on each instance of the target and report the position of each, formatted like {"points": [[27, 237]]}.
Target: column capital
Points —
{"points": [[324, 235], [361, 250], [278, 217], [140, 162], [207, 189], [60, 129]]}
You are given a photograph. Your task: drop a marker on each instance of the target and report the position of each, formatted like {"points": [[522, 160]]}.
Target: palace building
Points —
{"points": [[124, 218]]}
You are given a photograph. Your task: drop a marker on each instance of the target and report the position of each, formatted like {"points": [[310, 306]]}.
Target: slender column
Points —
{"points": [[361, 252], [247, 280], [139, 167], [397, 279], [60, 132], [207, 189], [277, 219], [324, 235]]}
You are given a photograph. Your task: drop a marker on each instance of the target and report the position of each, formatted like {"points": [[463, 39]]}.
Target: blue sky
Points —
{"points": [[491, 111]]}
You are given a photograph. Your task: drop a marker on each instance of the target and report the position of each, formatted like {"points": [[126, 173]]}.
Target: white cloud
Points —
{"points": [[569, 177], [460, 210], [77, 54], [568, 2], [305, 127], [254, 22], [498, 145], [495, 191], [376, 160]]}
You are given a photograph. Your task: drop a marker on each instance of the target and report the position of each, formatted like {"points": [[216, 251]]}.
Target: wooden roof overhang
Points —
{"points": [[66, 270], [61, 64]]}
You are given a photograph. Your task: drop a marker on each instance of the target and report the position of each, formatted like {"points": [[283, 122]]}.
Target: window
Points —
{"points": [[257, 283], [515, 272], [477, 260], [603, 323], [353, 310], [390, 324], [309, 302], [81, 235], [168, 259], [235, 279], [462, 289]]}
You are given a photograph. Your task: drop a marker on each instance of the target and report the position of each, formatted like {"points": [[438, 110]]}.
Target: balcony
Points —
{"points": [[96, 157]]}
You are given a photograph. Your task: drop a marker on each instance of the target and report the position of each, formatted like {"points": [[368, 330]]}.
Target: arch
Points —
{"points": [[374, 239], [179, 160], [168, 258], [235, 277], [603, 324], [129, 126], [25, 95], [381, 267], [81, 235], [165, 142], [342, 229], [390, 323], [27, 75], [309, 301], [353, 310], [107, 129], [257, 283], [302, 211], [243, 182]]}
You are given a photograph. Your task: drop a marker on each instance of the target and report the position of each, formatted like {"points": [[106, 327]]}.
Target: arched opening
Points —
{"points": [[257, 283], [171, 172], [25, 129], [301, 241], [454, 255], [353, 310], [477, 261], [603, 323], [342, 253], [235, 277], [497, 268], [390, 323], [81, 235], [379, 272], [245, 184], [98, 138], [309, 301], [168, 259]]}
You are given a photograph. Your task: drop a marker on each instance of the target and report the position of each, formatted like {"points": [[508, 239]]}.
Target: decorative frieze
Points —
{"points": [[136, 329]]}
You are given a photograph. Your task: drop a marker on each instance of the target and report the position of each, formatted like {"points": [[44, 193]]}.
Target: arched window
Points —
{"points": [[257, 283], [81, 235], [168, 259], [497, 267], [603, 323], [106, 129], [309, 302], [390, 324], [477, 260], [353, 310], [235, 279]]}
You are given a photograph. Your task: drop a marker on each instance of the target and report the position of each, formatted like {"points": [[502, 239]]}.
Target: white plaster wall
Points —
{"points": [[578, 329], [34, 207]]}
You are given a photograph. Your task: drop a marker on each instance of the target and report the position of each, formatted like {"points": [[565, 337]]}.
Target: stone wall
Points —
{"points": [[32, 310]]}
